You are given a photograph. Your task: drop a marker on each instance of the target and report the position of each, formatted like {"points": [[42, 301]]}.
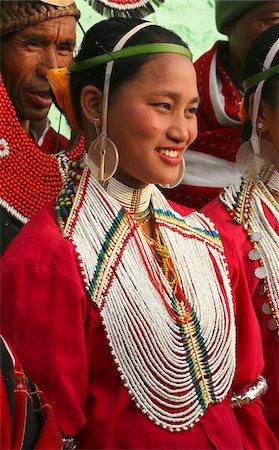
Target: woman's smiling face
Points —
{"points": [[152, 120]]}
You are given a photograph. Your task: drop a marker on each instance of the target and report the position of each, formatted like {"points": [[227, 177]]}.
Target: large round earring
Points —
{"points": [[179, 178], [103, 157]]}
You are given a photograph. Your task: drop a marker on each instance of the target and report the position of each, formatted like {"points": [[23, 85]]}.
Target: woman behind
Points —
{"points": [[126, 314], [26, 417], [249, 208]]}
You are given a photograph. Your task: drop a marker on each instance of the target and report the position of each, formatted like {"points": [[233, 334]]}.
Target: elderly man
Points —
{"points": [[35, 36], [210, 163]]}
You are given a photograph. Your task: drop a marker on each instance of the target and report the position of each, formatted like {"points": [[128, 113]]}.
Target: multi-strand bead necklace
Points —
{"points": [[244, 200], [173, 344]]}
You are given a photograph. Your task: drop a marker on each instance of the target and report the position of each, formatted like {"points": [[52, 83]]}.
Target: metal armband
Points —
{"points": [[250, 393], [68, 444]]}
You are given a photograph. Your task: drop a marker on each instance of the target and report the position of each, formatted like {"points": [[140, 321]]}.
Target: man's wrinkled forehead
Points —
{"points": [[17, 14]]}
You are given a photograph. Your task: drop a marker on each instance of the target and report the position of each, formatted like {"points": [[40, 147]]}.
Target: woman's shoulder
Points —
{"points": [[214, 208], [219, 214], [39, 241]]}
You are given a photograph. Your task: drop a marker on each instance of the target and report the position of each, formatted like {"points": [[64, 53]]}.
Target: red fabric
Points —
{"points": [[213, 138], [195, 197], [66, 351], [270, 340], [54, 142], [221, 138], [5, 418], [14, 426]]}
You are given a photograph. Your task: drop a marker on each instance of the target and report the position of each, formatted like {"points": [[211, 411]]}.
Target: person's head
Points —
{"points": [[35, 37], [242, 21], [152, 99], [261, 85]]}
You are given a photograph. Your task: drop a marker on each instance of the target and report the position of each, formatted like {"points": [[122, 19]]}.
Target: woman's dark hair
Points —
{"points": [[102, 38], [254, 64]]}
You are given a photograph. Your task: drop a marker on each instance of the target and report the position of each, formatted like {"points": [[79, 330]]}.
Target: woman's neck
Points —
{"points": [[269, 175], [136, 201]]}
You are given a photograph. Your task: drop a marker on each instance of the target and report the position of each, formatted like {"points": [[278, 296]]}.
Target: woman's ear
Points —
{"points": [[90, 103], [263, 114]]}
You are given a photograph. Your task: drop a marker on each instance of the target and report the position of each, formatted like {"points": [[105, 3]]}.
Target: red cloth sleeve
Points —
{"points": [[55, 332]]}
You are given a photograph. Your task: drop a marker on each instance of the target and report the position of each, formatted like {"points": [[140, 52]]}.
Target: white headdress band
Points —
{"points": [[120, 44]]}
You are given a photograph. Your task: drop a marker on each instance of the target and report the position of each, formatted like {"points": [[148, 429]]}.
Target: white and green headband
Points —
{"points": [[119, 52]]}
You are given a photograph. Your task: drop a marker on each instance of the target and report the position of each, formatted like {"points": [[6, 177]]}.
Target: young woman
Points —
{"points": [[249, 208], [125, 313]]}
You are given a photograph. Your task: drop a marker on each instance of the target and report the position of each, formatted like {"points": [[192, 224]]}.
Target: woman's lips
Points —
{"points": [[170, 155]]}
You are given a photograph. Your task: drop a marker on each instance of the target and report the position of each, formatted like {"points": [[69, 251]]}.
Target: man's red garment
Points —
{"points": [[53, 142], [210, 162]]}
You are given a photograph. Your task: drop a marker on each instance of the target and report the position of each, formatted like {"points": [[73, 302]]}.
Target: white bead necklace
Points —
{"points": [[134, 200], [261, 234], [173, 362]]}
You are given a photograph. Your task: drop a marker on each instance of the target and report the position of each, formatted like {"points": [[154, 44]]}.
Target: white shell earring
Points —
{"points": [[103, 155], [260, 125]]}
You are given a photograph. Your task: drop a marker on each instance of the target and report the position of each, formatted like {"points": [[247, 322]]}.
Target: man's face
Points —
{"points": [[26, 57], [243, 31]]}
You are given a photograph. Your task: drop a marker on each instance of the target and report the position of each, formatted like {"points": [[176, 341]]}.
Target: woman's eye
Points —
{"points": [[193, 110], [164, 105]]}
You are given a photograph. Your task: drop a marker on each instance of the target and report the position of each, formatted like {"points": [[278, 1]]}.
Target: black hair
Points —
{"points": [[101, 38], [254, 64]]}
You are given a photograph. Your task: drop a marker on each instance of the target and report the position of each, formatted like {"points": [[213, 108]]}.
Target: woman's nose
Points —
{"points": [[179, 131]]}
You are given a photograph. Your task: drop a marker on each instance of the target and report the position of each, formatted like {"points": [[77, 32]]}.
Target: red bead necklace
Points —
{"points": [[28, 177]]}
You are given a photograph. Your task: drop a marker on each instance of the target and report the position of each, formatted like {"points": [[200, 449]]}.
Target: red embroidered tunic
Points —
{"points": [[59, 336], [210, 161]]}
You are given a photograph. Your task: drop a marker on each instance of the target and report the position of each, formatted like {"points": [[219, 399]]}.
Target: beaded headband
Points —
{"points": [[59, 79]]}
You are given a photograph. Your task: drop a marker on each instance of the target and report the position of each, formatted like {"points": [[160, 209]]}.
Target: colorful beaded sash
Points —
{"points": [[28, 177], [244, 200], [175, 357]]}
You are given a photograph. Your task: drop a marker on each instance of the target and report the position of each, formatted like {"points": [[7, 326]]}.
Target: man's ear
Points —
{"points": [[91, 103]]}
